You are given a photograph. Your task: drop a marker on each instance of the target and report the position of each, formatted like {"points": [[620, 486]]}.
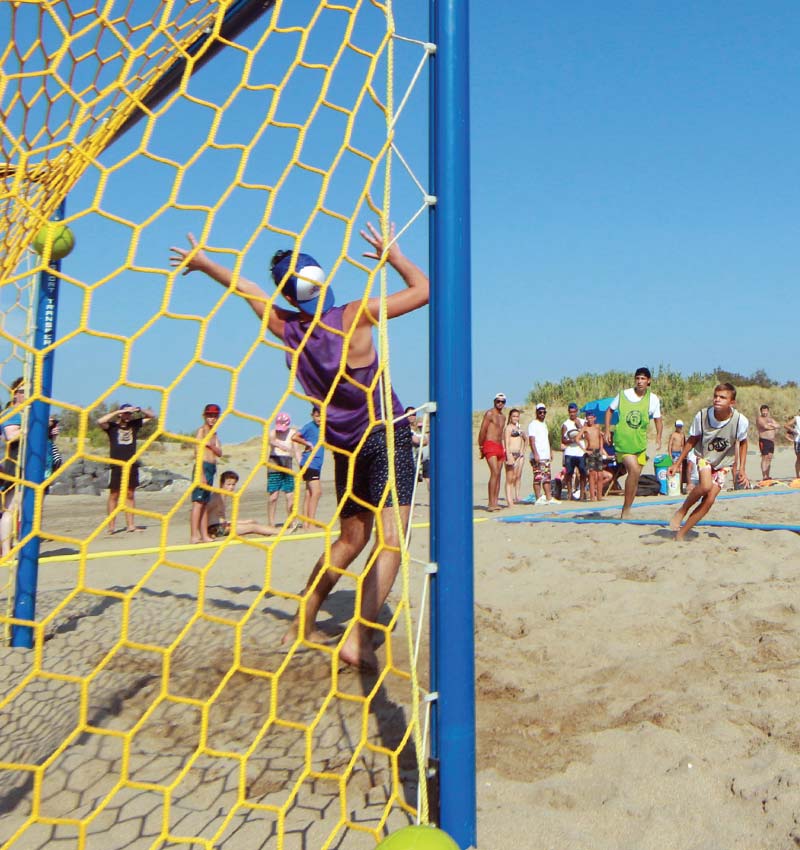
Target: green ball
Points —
{"points": [[418, 838], [63, 240]]}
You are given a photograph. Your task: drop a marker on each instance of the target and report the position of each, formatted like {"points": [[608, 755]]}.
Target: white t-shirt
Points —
{"points": [[654, 411], [541, 436], [569, 425], [697, 425]]}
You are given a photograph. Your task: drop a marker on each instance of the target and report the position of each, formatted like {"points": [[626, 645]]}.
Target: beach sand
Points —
{"points": [[631, 691]]}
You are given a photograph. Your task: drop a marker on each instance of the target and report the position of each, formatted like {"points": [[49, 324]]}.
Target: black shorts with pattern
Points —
{"points": [[371, 471]]}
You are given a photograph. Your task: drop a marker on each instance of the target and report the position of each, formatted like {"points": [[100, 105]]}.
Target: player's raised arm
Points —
{"points": [[417, 291], [195, 259]]}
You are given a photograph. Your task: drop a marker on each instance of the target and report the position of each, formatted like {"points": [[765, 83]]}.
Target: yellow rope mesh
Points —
{"points": [[162, 711]]}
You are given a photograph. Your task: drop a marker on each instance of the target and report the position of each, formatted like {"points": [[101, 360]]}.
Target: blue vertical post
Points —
{"points": [[36, 449], [452, 636]]}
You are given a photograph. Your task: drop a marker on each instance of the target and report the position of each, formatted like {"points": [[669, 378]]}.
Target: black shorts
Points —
{"points": [[766, 447], [115, 482], [311, 475], [594, 461], [573, 462], [371, 471]]}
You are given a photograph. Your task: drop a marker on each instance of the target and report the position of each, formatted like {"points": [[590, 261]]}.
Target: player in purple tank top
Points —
{"points": [[349, 415]]}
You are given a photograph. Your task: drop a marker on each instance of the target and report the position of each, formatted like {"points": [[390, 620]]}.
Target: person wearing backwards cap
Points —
{"points": [[490, 445], [209, 448], [122, 427], [352, 418]]}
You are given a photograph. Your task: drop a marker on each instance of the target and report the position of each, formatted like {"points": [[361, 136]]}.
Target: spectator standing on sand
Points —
{"points": [[490, 443], [792, 427], [675, 444], [514, 446], [591, 435], [12, 435], [636, 405], [574, 451], [123, 426], [209, 450], [767, 431], [541, 457], [282, 452], [308, 436], [420, 440]]}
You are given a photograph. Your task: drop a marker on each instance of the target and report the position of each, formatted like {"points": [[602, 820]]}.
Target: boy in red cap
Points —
{"points": [[209, 448]]}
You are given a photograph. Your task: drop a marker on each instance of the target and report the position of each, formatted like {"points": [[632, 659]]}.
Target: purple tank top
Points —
{"points": [[348, 412]]}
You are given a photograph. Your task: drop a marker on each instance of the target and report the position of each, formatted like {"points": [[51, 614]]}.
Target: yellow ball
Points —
{"points": [[63, 240], [418, 838]]}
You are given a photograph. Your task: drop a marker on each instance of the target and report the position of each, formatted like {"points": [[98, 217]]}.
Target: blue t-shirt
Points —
{"points": [[310, 432]]}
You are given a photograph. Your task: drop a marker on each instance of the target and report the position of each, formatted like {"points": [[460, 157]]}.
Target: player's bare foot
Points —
{"points": [[361, 658], [315, 635], [626, 514], [675, 522]]}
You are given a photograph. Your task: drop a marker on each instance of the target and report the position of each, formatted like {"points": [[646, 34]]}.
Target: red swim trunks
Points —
{"points": [[492, 449]]}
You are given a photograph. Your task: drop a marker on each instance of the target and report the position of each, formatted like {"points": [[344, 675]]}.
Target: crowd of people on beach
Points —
{"points": [[595, 457]]}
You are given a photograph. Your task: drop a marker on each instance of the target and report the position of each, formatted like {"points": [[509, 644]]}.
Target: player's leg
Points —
{"points": [[354, 535], [634, 471], [703, 507], [383, 565], [698, 492]]}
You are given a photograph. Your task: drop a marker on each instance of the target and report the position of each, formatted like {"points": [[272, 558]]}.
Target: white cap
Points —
{"points": [[541, 406], [500, 396], [678, 423]]}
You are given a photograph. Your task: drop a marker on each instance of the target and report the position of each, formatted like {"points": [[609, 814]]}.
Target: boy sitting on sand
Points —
{"points": [[219, 525], [719, 438]]}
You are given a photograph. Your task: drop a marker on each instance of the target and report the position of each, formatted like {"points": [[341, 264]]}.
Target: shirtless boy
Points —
{"points": [[490, 443], [767, 431], [591, 435], [216, 513], [719, 438], [677, 440], [209, 448]]}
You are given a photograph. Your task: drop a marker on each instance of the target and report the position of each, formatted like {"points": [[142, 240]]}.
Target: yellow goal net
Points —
{"points": [[159, 703]]}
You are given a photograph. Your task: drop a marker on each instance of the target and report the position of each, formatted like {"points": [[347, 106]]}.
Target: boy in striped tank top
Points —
{"points": [[719, 438]]}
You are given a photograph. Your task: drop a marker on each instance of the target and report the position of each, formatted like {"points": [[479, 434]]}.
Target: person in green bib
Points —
{"points": [[637, 406]]}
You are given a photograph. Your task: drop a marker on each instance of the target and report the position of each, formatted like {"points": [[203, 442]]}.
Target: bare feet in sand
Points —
{"points": [[326, 638], [675, 522], [360, 657]]}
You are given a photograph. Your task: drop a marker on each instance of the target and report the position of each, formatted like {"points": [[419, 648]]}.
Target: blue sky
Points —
{"points": [[635, 188], [635, 201]]}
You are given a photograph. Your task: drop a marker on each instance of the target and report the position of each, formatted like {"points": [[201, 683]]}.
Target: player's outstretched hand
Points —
{"points": [[193, 259], [375, 239]]}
